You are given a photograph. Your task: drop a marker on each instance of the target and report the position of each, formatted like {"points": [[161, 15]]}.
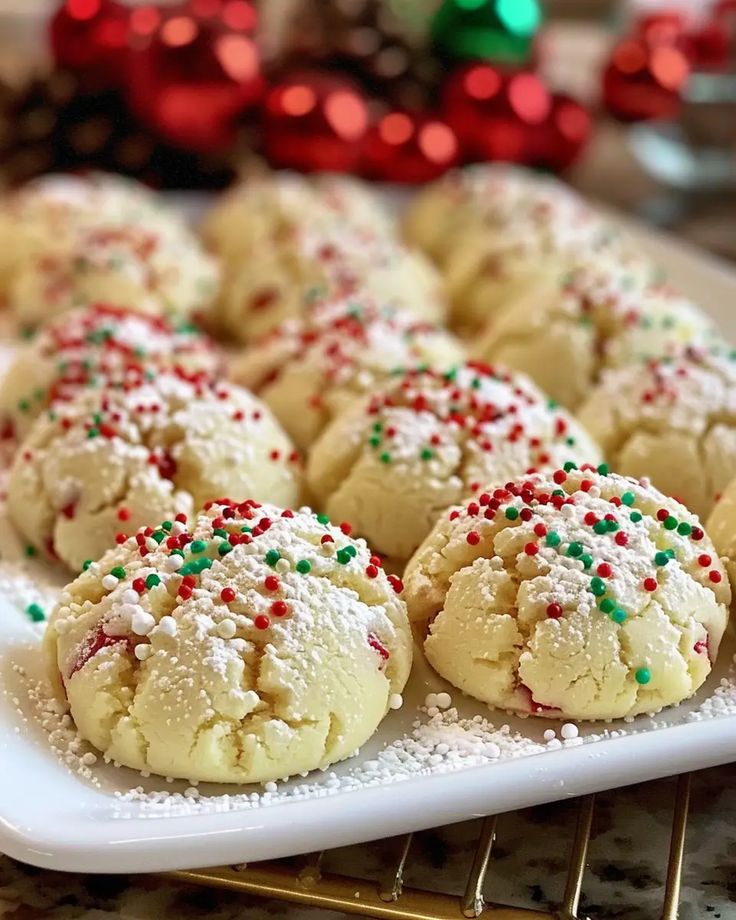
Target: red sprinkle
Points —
{"points": [[715, 576], [554, 611], [327, 538], [139, 585], [396, 583], [621, 538], [604, 570], [531, 549], [120, 538], [227, 595], [261, 621], [650, 584], [696, 534], [540, 530], [271, 583], [473, 538], [371, 571], [184, 592], [278, 609], [124, 514], [704, 560], [559, 476]]}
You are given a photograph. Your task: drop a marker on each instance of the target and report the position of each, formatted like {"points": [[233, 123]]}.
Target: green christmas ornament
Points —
{"points": [[494, 30]]}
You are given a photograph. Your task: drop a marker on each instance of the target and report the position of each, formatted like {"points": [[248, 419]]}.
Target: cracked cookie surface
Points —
{"points": [[391, 463], [116, 458], [580, 594], [246, 645]]}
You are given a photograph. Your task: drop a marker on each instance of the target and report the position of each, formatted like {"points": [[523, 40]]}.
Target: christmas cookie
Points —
{"points": [[673, 420], [577, 595], [244, 645], [128, 265], [279, 280], [482, 198], [391, 463], [275, 206], [37, 216], [310, 369], [89, 347], [116, 458], [573, 321]]}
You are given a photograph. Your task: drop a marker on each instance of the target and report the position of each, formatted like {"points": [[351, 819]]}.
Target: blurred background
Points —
{"points": [[633, 102]]}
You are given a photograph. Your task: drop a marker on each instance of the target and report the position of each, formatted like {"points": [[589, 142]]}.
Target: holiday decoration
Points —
{"points": [[314, 120], [495, 114], [52, 125], [495, 30], [382, 44], [89, 37], [562, 137], [405, 147], [644, 79], [194, 69]]}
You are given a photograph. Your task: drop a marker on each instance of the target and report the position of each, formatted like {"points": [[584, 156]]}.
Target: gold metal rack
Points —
{"points": [[305, 884]]}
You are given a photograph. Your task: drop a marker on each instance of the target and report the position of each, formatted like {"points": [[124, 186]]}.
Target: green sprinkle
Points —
{"points": [[351, 550], [323, 519], [661, 558], [378, 426], [601, 526], [92, 433], [511, 514], [586, 560], [643, 675], [569, 465], [159, 535], [187, 569], [570, 442], [560, 492], [35, 612], [224, 548], [575, 549], [304, 566], [385, 457], [167, 525], [475, 383], [670, 552], [684, 529], [603, 469], [670, 523], [612, 526], [619, 615], [118, 571], [152, 580], [86, 564], [628, 498], [597, 586], [272, 557], [343, 556], [635, 516], [197, 546], [219, 532], [426, 453], [201, 564], [553, 538], [30, 551], [374, 441], [24, 405], [607, 605], [246, 529]]}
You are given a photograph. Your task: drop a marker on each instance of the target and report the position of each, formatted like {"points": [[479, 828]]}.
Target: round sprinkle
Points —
{"points": [[618, 615], [661, 558], [715, 576], [554, 611], [607, 605], [197, 546], [650, 584], [473, 538], [279, 608], [271, 583], [511, 513], [628, 498], [152, 580], [261, 621], [272, 557], [643, 675], [35, 612], [304, 566], [227, 595], [118, 571], [553, 539]]}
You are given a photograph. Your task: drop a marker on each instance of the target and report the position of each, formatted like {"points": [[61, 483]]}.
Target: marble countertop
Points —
{"points": [[627, 864]]}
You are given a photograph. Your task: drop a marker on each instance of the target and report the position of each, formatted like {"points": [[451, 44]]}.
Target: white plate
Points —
{"points": [[53, 816]]}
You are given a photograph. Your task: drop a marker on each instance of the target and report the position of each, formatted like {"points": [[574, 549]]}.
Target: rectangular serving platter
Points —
{"points": [[56, 814]]}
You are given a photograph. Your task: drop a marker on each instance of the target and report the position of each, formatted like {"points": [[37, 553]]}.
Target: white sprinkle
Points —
{"points": [[89, 759], [129, 596], [569, 731], [143, 651], [430, 700], [283, 565], [109, 582], [549, 734], [271, 787], [395, 701], [167, 626], [142, 623], [173, 563], [226, 629], [443, 701]]}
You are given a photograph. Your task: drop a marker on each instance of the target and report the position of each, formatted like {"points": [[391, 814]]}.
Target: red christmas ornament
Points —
{"points": [[315, 121], [493, 113], [644, 80], [558, 142], [406, 147], [90, 38], [194, 69]]}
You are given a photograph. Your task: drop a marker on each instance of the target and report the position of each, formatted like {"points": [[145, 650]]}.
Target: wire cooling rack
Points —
{"points": [[303, 882]]}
